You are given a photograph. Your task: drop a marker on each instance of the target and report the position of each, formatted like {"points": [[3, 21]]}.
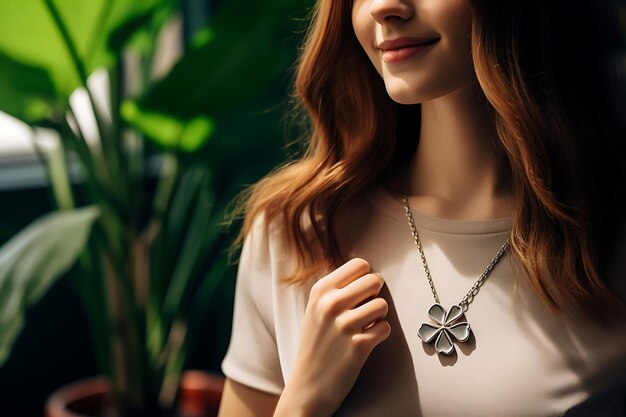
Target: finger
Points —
{"points": [[362, 289], [356, 320], [369, 338], [345, 274]]}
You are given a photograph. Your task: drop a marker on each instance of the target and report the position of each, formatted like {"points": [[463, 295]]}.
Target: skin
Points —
{"points": [[343, 323], [452, 176]]}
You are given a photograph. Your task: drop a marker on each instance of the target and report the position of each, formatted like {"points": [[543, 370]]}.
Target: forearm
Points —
{"points": [[293, 403]]}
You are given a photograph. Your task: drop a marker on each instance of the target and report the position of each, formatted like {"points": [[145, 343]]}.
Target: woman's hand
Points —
{"points": [[342, 324]]}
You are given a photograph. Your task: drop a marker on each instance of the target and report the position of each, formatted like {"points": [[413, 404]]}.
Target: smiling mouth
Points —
{"points": [[404, 52], [405, 42]]}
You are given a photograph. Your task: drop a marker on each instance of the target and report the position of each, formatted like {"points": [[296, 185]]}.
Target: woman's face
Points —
{"points": [[421, 48]]}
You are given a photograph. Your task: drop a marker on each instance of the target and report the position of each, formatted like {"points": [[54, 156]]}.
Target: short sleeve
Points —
{"points": [[252, 356]]}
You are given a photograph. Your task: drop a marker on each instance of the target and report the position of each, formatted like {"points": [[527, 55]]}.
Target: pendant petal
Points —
{"points": [[444, 344], [437, 313], [427, 332], [455, 312], [460, 331]]}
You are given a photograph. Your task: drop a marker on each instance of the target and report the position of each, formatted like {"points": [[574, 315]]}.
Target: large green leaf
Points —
{"points": [[29, 37], [26, 91], [234, 60], [33, 260]]}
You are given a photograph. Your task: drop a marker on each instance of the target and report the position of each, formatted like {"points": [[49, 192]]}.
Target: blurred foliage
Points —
{"points": [[150, 248], [33, 51], [245, 63]]}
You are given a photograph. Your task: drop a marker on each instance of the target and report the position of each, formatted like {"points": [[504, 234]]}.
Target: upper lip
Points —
{"points": [[404, 42]]}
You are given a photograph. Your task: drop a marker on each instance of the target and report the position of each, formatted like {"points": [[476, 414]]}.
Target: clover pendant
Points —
{"points": [[445, 328]]}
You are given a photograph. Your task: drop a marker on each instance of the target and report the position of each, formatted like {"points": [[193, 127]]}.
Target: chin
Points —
{"points": [[412, 90], [406, 100], [406, 91], [408, 96]]}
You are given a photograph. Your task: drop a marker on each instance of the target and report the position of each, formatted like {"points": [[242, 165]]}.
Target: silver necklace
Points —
{"points": [[448, 324]]}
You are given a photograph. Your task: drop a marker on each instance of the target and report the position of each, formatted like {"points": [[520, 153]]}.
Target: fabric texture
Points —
{"points": [[521, 360]]}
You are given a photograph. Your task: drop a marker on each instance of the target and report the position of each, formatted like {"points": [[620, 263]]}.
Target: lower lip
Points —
{"points": [[402, 54]]}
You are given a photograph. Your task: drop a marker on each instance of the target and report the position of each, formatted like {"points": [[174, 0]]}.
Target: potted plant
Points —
{"points": [[141, 199]]}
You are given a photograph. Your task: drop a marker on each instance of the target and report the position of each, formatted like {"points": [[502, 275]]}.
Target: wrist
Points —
{"points": [[294, 403], [283, 411]]}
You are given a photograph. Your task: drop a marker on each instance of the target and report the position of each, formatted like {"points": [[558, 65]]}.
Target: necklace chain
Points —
{"points": [[469, 297]]}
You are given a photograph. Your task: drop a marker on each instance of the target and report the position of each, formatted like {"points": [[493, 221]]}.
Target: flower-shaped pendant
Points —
{"points": [[445, 329]]}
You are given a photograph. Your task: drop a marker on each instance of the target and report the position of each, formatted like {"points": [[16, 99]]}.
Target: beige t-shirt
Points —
{"points": [[521, 360]]}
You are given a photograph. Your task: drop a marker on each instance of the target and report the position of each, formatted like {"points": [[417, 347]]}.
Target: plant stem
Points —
{"points": [[90, 159], [94, 170], [62, 195], [59, 178], [105, 135], [176, 349], [125, 340], [165, 187]]}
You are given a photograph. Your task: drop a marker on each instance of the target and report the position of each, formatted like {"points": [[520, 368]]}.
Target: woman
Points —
{"points": [[448, 245]]}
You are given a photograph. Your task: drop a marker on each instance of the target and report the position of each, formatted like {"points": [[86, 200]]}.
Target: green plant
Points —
{"points": [[147, 245]]}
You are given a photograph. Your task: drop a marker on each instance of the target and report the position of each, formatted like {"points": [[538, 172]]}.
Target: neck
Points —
{"points": [[453, 173]]}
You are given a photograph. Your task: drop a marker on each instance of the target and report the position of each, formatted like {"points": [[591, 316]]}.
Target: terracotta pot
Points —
{"points": [[200, 394]]}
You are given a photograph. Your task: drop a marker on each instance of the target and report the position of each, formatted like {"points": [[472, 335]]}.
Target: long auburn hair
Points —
{"points": [[547, 70]]}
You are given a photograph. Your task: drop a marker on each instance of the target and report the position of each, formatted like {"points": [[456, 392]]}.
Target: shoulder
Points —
{"points": [[273, 244], [259, 246]]}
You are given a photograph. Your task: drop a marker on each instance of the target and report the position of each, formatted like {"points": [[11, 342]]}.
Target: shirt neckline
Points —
{"points": [[387, 205]]}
